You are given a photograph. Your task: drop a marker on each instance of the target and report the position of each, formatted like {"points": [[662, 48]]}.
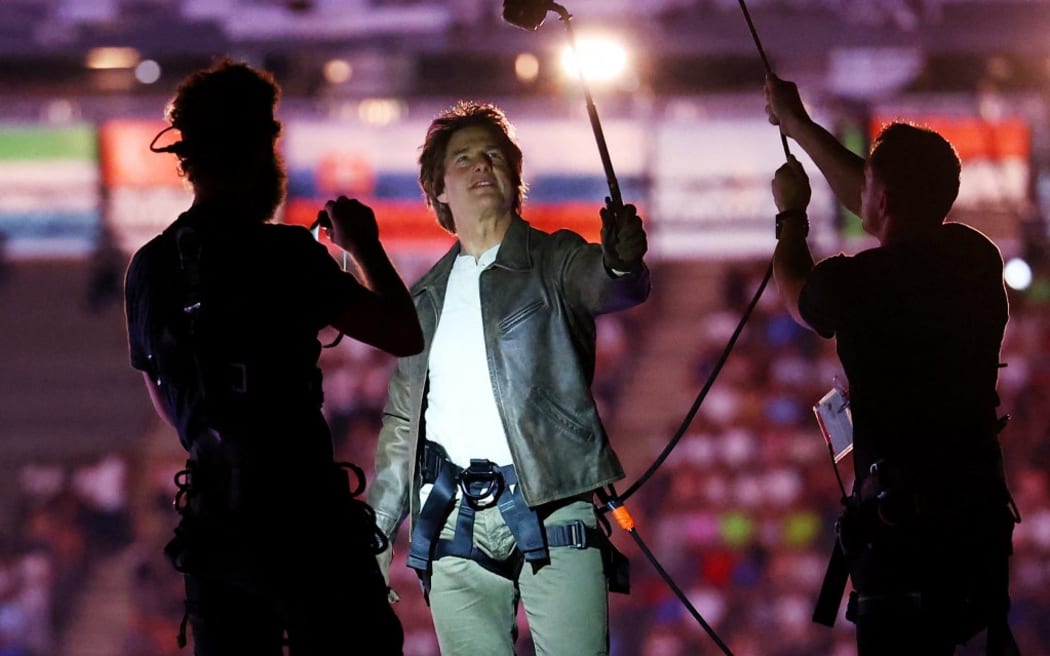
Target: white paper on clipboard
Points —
{"points": [[836, 422]]}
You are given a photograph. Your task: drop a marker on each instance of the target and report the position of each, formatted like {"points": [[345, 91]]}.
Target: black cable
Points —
{"points": [[765, 62], [725, 354], [754, 36], [678, 592], [614, 503], [703, 392], [838, 476], [322, 221], [592, 111]]}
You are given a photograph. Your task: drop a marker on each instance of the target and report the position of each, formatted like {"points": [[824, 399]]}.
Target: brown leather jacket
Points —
{"points": [[539, 301]]}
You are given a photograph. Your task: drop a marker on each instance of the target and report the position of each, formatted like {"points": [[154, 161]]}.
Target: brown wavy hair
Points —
{"points": [[464, 114]]}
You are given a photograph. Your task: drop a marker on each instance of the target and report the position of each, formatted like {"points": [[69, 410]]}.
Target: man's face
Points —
{"points": [[477, 176]]}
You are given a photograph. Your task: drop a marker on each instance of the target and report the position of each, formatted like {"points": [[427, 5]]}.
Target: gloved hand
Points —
{"points": [[623, 237], [383, 558]]}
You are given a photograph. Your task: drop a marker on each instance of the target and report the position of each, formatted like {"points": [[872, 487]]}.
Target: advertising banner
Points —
{"points": [[49, 190], [711, 189], [143, 190], [995, 189]]}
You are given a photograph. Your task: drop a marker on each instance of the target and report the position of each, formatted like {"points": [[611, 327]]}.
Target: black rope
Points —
{"points": [[592, 111], [754, 36], [838, 476], [747, 314], [678, 592], [765, 62], [322, 221], [613, 502], [703, 392]]}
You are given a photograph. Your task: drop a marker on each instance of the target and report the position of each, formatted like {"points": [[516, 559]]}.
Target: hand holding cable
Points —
{"points": [[351, 225], [784, 106], [384, 316], [624, 243], [791, 190], [791, 193]]}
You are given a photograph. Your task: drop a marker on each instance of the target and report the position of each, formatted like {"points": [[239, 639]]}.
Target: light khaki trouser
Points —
{"points": [[566, 602]]}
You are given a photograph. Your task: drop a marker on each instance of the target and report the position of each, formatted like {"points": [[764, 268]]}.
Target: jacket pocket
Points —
{"points": [[521, 314], [560, 418]]}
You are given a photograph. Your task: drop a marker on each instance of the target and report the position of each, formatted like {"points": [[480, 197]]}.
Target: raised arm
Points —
{"points": [[843, 169], [613, 276], [384, 317], [792, 260]]}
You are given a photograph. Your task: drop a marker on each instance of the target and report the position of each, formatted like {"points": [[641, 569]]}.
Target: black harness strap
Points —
{"points": [[522, 520], [483, 485], [223, 382], [577, 535], [188, 245], [893, 503], [431, 518], [462, 546]]}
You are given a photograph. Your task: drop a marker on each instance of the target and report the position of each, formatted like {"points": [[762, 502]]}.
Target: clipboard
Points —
{"points": [[836, 422]]}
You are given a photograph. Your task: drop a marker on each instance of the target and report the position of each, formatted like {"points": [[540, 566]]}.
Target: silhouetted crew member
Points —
{"points": [[918, 323], [224, 309]]}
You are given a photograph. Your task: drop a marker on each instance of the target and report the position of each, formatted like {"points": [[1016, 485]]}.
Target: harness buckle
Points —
{"points": [[184, 485], [577, 534], [482, 483]]}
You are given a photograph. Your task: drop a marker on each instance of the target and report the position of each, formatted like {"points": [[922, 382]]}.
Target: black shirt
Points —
{"points": [[919, 327], [266, 290]]}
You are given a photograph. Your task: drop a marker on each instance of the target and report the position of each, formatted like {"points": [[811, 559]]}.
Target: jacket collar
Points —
{"points": [[513, 255], [514, 251]]}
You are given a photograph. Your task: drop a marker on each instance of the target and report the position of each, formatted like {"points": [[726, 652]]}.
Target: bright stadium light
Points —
{"points": [[1018, 274], [111, 57], [526, 67], [601, 58], [147, 71], [337, 71]]}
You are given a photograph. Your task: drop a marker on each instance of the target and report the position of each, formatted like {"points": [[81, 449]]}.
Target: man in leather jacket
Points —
{"points": [[496, 415]]}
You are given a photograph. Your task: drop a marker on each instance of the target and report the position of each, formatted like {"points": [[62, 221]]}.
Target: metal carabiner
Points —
{"points": [[184, 482], [482, 483]]}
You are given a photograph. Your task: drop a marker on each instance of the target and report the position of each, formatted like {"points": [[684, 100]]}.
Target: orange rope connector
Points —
{"points": [[622, 516]]}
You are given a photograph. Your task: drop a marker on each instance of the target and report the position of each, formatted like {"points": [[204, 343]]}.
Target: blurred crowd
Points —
{"points": [[742, 511], [739, 516], [69, 516]]}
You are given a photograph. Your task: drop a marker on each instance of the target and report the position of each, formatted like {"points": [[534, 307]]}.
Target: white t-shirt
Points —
{"points": [[461, 413]]}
